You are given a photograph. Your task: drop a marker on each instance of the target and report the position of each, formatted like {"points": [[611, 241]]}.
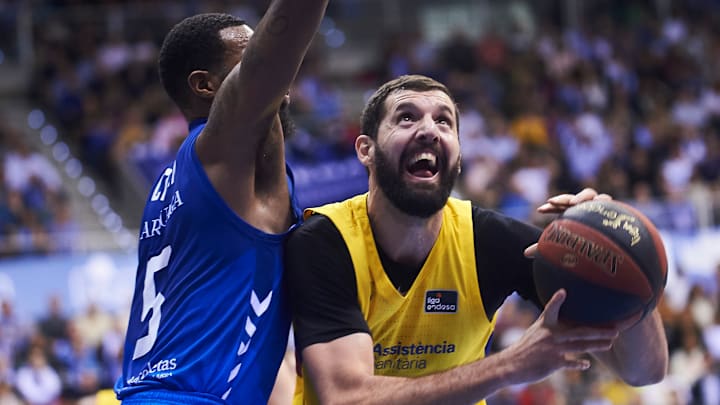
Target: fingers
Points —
{"points": [[552, 308], [576, 363], [530, 251], [566, 200], [603, 196], [554, 205], [574, 343], [586, 194], [561, 202]]}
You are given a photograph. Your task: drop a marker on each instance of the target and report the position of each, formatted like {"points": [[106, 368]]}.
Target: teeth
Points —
{"points": [[424, 156]]}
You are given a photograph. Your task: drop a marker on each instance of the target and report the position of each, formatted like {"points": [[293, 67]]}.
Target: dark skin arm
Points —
{"points": [[241, 147]]}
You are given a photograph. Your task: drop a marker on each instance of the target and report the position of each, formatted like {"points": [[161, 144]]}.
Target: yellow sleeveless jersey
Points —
{"points": [[441, 322]]}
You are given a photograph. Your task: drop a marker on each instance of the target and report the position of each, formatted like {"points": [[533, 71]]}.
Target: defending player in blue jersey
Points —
{"points": [[209, 323]]}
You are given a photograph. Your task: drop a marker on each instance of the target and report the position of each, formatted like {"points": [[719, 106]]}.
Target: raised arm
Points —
{"points": [[341, 370], [246, 103]]}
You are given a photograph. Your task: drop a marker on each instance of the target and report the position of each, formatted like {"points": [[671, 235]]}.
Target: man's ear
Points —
{"points": [[201, 83], [363, 149]]}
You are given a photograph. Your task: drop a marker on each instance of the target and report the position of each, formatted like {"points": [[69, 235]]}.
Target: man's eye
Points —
{"points": [[406, 117]]}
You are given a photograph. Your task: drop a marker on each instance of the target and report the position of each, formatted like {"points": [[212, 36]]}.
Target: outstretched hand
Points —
{"points": [[547, 346], [559, 203]]}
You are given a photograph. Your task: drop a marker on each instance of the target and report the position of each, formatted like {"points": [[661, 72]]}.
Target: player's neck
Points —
{"points": [[404, 238]]}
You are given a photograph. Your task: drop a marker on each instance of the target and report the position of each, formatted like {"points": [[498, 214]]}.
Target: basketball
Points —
{"points": [[610, 259]]}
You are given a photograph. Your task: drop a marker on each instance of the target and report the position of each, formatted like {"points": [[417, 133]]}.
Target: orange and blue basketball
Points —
{"points": [[610, 259]]}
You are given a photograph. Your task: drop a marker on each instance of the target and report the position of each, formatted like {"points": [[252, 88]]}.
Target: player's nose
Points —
{"points": [[427, 130]]}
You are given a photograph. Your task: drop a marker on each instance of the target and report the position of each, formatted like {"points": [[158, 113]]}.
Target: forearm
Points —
{"points": [[640, 354], [254, 89], [342, 370], [278, 47], [461, 385]]}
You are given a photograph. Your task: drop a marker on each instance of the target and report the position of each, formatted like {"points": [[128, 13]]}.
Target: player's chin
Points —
{"points": [[426, 189]]}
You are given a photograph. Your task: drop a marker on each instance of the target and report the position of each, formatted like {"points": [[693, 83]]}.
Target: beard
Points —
{"points": [[422, 200]]}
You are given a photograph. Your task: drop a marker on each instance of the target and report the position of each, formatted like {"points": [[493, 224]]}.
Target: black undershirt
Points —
{"points": [[401, 275], [322, 288]]}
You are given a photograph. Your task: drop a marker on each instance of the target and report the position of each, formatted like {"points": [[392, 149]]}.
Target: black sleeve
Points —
{"points": [[501, 265], [321, 284]]}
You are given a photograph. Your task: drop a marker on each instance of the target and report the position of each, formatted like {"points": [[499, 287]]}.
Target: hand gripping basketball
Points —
{"points": [[609, 258]]}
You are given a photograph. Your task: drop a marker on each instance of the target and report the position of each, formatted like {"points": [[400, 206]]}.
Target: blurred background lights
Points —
{"points": [[36, 119], [86, 186], [48, 134], [100, 204], [335, 38], [60, 151], [73, 168]]}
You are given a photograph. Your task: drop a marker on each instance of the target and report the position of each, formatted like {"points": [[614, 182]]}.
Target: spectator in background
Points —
{"points": [[7, 394], [529, 127], [711, 336], [169, 131], [688, 110], [133, 131], [7, 383], [53, 325], [689, 363], [23, 165], [93, 324], [642, 199], [64, 229], [81, 374], [706, 390], [586, 145], [95, 143], [30, 187], [37, 382], [530, 182], [111, 353], [13, 331]]}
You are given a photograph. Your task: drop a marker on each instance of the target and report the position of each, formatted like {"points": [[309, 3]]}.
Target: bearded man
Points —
{"points": [[395, 291]]}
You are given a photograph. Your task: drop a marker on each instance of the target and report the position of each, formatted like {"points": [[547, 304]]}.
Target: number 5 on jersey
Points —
{"points": [[151, 300]]}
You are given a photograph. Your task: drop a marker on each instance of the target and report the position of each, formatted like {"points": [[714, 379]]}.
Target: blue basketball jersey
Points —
{"points": [[208, 318]]}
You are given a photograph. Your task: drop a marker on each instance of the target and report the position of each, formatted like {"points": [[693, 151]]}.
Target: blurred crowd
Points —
{"points": [[35, 212], [626, 101], [58, 358], [628, 108]]}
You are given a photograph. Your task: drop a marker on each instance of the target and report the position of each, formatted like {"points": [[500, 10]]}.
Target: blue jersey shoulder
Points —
{"points": [[208, 316]]}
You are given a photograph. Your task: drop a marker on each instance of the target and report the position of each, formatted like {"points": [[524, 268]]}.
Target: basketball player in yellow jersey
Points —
{"points": [[395, 291]]}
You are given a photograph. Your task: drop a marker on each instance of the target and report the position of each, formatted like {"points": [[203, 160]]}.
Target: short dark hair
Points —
{"points": [[192, 44], [374, 110]]}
